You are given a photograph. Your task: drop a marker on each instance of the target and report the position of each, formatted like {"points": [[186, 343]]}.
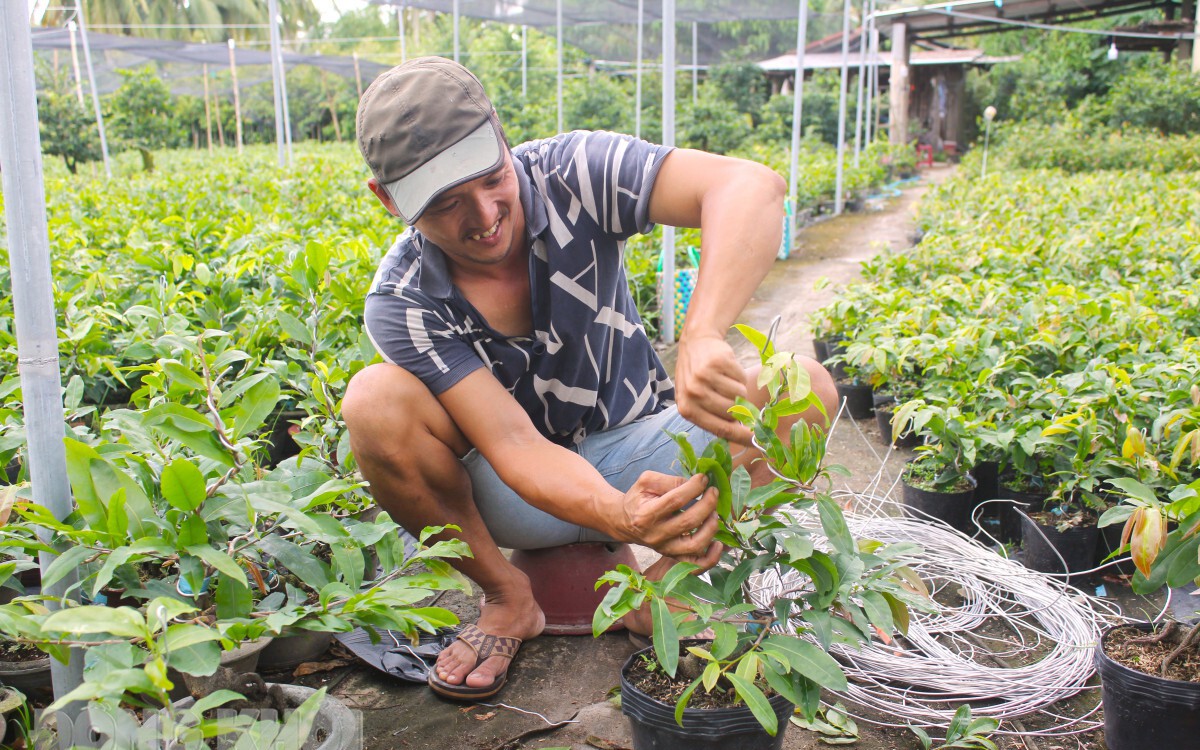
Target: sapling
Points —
{"points": [[833, 589]]}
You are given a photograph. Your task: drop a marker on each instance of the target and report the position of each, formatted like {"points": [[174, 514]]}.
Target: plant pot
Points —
{"points": [[334, 728], [26, 676], [952, 508], [859, 401], [293, 648], [1143, 710], [281, 444], [820, 349], [244, 658], [654, 726], [883, 418], [1107, 542], [1042, 546], [1011, 514]]}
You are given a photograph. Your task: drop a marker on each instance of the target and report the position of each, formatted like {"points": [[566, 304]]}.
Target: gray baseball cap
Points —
{"points": [[425, 127]]}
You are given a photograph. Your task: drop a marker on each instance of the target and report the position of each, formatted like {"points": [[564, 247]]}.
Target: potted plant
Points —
{"points": [[938, 482], [1151, 687], [768, 651]]}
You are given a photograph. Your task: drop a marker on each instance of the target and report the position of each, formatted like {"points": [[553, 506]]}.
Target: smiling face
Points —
{"points": [[480, 223]]}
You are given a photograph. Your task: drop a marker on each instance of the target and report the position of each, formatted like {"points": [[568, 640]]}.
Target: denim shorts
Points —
{"points": [[620, 455]]}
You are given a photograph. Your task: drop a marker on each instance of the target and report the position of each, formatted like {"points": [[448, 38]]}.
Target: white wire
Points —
{"points": [[1017, 643]]}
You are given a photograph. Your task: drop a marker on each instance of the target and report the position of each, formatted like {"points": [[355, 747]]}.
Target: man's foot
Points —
{"points": [[499, 616]]}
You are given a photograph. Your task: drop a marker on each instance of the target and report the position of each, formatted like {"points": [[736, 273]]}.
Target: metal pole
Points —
{"points": [[403, 44], [524, 62], [33, 307], [873, 84], [839, 201], [797, 113], [357, 74], [455, 30], [75, 63], [276, 75], [637, 77], [558, 17], [695, 63], [862, 63], [207, 111], [667, 294], [87, 59], [237, 98]]}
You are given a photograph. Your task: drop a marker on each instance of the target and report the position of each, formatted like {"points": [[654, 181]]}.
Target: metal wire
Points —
{"points": [[1010, 641]]}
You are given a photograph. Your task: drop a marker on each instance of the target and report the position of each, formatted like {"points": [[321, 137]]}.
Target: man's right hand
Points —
{"points": [[655, 514]]}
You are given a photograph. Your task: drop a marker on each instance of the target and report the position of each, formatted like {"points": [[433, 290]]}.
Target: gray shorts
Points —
{"points": [[620, 455]]}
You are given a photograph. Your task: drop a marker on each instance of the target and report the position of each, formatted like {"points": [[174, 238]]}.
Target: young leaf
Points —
{"points": [[756, 702]]}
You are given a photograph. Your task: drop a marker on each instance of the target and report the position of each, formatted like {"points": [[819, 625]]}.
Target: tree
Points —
{"points": [[143, 113], [67, 129]]}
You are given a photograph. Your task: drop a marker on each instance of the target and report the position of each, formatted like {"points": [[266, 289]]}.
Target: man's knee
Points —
{"points": [[384, 401], [375, 389]]}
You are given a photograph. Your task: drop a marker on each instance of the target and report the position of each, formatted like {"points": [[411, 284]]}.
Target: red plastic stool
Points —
{"points": [[564, 581], [924, 155]]}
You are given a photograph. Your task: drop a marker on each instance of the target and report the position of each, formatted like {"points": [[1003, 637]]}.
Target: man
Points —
{"points": [[521, 399]]}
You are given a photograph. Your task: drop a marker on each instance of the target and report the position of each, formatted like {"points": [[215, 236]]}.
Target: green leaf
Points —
{"points": [[68, 561], [681, 704], [878, 610], [807, 659], [756, 701], [183, 485], [834, 524], [190, 429], [310, 570], [666, 641], [192, 531], [221, 562], [118, 622], [253, 409], [233, 597], [182, 375], [198, 659]]}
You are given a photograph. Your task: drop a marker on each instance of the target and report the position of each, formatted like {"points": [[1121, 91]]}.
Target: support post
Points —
{"points": [[898, 87], [33, 313], [839, 200], [75, 63], [87, 59], [695, 63], [207, 111], [637, 77], [403, 43], [237, 97], [524, 62], [276, 76], [862, 65], [357, 75], [456, 52], [797, 117], [558, 18], [667, 282]]}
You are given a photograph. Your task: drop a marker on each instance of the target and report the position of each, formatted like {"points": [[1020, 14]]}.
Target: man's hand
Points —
{"points": [[654, 514], [708, 379]]}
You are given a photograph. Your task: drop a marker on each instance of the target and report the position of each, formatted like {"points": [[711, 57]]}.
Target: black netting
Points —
{"points": [[180, 64]]}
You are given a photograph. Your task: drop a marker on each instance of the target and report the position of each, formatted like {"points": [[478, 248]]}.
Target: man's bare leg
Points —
{"points": [[640, 621], [409, 449]]}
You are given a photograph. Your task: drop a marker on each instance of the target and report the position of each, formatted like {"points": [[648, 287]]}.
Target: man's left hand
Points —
{"points": [[708, 379]]}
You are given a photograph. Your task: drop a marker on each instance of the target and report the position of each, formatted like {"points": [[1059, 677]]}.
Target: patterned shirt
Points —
{"points": [[589, 365]]}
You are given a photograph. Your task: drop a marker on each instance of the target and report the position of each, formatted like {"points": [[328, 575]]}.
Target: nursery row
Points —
{"points": [[1047, 322]]}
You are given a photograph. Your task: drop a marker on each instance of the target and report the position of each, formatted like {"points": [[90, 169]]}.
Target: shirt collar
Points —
{"points": [[434, 277]]}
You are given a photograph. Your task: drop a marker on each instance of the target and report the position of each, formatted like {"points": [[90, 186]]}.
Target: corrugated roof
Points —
{"points": [[977, 16], [826, 60]]}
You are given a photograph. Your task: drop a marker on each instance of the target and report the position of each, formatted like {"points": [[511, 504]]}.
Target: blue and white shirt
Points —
{"points": [[589, 365]]}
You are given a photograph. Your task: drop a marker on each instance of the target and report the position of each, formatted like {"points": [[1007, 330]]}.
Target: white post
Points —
{"points": [[558, 16], [873, 81], [276, 75], [637, 86], [75, 63], [898, 86], [87, 59], [237, 98], [667, 291], [403, 43], [839, 200], [797, 113], [357, 74], [524, 62], [695, 63], [207, 111], [456, 55], [862, 63], [33, 313]]}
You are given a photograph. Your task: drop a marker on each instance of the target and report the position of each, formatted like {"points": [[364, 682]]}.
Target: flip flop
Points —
{"points": [[484, 645]]}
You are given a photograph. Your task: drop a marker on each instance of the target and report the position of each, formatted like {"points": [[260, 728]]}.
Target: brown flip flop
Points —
{"points": [[484, 645]]}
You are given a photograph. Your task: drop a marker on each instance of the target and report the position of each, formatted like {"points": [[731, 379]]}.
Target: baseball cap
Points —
{"points": [[424, 127]]}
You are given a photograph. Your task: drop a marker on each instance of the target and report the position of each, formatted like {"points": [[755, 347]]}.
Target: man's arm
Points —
{"points": [[738, 206], [565, 485]]}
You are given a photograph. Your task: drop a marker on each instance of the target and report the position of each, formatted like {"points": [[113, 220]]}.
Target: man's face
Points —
{"points": [[479, 223]]}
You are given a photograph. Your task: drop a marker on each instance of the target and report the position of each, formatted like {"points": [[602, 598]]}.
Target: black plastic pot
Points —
{"points": [[859, 401], [1042, 545], [281, 445], [821, 349], [1010, 513], [654, 726], [883, 418], [953, 508], [1143, 710]]}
